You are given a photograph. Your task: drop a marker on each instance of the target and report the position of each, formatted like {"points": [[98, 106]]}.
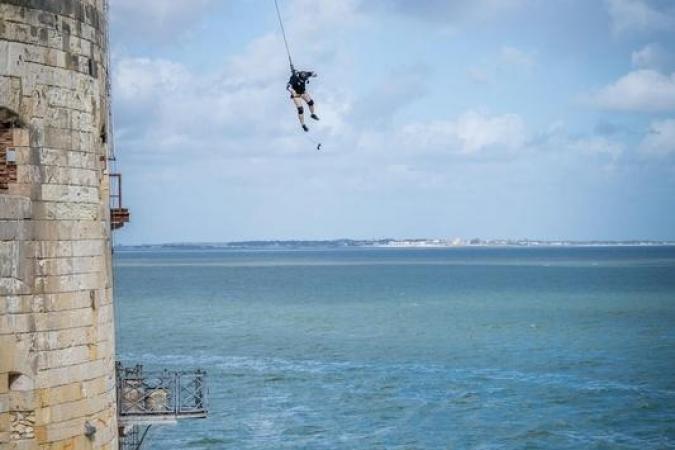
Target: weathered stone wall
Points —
{"points": [[56, 312]]}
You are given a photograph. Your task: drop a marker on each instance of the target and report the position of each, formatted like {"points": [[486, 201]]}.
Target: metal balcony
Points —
{"points": [[118, 214], [156, 397]]}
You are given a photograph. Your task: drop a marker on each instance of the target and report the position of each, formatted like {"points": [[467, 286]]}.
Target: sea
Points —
{"points": [[381, 348]]}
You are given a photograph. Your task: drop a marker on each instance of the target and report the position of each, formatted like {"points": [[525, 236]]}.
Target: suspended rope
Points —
{"points": [[315, 142], [283, 33], [112, 162]]}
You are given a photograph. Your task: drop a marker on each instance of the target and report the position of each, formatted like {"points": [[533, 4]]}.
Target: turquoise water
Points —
{"points": [[474, 348]]}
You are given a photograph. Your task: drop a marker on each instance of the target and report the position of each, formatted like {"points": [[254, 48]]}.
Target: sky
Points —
{"points": [[441, 119]]}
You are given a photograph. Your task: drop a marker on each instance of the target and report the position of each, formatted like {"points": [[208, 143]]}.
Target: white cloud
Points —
{"points": [[660, 140], [516, 57], [472, 133], [262, 61], [651, 56], [444, 11], [313, 16], [479, 75], [561, 142], [477, 132], [640, 90], [638, 15], [597, 145], [509, 60], [172, 108], [159, 19], [142, 79], [400, 88]]}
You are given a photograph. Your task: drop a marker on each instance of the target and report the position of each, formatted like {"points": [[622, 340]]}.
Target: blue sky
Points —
{"points": [[462, 118]]}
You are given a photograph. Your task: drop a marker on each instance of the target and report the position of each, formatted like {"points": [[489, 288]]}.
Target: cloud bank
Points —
{"points": [[641, 90]]}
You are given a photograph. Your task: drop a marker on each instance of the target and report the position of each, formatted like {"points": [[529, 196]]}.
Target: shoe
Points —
{"points": [[304, 127], [314, 116]]}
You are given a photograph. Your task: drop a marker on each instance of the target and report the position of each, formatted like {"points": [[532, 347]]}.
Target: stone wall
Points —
{"points": [[56, 312]]}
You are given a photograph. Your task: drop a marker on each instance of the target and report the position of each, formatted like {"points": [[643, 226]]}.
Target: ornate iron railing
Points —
{"points": [[132, 437], [157, 396]]}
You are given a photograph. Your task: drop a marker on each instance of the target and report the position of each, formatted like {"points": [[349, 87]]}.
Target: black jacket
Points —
{"points": [[299, 80]]}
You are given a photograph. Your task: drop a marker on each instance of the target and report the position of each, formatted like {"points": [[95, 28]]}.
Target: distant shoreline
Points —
{"points": [[389, 243]]}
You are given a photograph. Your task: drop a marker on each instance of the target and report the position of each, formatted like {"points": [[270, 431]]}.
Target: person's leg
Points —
{"points": [[301, 111], [310, 103]]}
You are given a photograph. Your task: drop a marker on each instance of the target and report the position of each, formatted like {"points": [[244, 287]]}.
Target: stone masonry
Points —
{"points": [[57, 379]]}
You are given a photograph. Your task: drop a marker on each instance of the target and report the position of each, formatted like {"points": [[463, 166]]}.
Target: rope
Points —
{"points": [[283, 33], [316, 143], [112, 167]]}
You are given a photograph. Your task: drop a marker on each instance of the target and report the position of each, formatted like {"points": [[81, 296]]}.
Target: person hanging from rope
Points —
{"points": [[298, 89]]}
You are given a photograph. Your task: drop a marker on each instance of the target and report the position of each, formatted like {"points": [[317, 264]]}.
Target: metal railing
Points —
{"points": [[132, 437], [157, 396], [115, 190], [118, 214]]}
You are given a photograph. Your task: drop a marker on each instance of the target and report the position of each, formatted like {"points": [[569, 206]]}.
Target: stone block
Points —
{"points": [[69, 283], [86, 141], [12, 286], [7, 354], [4, 404], [26, 155], [66, 158], [4, 423], [12, 59], [59, 119], [46, 77], [19, 32], [17, 355], [84, 160], [18, 304], [83, 177], [104, 314], [9, 259], [20, 137], [69, 300], [68, 193], [4, 386], [82, 233], [71, 443], [52, 156], [63, 320], [67, 247], [103, 333], [64, 357], [18, 323], [14, 208], [79, 409], [22, 401], [82, 121], [10, 88], [15, 230], [66, 211], [58, 395], [58, 138], [71, 374], [54, 340], [94, 387], [25, 445], [22, 190]]}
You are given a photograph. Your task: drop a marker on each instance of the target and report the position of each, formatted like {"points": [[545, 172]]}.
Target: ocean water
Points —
{"points": [[477, 348]]}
